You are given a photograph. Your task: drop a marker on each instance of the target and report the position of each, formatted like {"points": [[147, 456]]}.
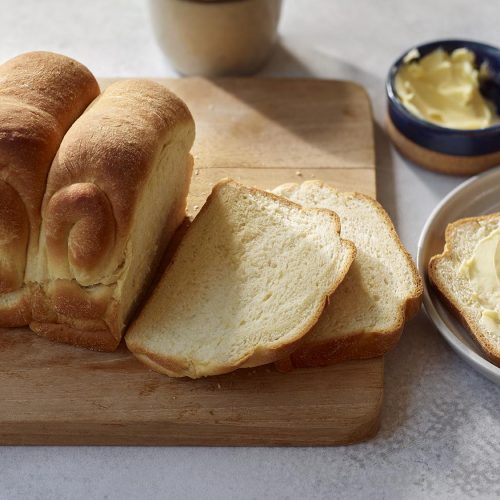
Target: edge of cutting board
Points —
{"points": [[112, 399]]}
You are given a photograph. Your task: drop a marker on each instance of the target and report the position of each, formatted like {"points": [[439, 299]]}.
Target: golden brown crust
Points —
{"points": [[14, 234], [80, 230], [360, 345], [137, 116], [95, 340], [356, 346], [41, 94], [52, 83], [175, 367], [448, 299], [15, 308], [62, 310], [66, 299]]}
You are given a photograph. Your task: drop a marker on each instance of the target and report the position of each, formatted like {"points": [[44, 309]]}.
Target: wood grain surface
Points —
{"points": [[58, 394], [263, 133]]}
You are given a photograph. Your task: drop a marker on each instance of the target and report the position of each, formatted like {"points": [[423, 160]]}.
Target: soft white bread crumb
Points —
{"points": [[382, 289], [248, 281]]}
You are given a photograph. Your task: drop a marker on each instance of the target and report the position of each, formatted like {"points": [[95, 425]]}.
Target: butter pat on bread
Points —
{"points": [[467, 277]]}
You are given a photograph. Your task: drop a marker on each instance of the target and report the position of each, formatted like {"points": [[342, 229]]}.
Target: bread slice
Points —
{"points": [[455, 287], [115, 194], [365, 316], [248, 281]]}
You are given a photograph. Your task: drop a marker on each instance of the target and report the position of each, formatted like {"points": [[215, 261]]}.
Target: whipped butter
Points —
{"points": [[483, 272], [443, 88]]}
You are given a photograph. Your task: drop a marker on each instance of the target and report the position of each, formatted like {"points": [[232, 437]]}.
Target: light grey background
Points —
{"points": [[440, 435]]}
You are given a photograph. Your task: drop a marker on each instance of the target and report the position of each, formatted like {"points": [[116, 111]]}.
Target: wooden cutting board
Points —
{"points": [[262, 132]]}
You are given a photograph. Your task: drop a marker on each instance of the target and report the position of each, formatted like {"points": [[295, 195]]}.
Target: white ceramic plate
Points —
{"points": [[477, 196]]}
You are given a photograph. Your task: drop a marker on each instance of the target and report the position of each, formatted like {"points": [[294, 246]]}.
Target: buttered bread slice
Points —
{"points": [[365, 316], [248, 281], [467, 276]]}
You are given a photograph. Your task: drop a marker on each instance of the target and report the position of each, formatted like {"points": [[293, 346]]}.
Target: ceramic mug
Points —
{"points": [[216, 37]]}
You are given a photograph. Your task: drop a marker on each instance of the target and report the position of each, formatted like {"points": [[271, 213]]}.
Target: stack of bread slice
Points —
{"points": [[250, 281], [382, 290]]}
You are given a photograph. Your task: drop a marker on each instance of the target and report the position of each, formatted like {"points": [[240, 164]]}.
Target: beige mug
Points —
{"points": [[216, 37]]}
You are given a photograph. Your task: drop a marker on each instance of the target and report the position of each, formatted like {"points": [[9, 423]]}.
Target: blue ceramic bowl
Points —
{"points": [[448, 140]]}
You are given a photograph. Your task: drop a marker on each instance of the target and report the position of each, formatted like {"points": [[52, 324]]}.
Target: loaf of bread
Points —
{"points": [[471, 256], [41, 95], [115, 194], [248, 281], [365, 316]]}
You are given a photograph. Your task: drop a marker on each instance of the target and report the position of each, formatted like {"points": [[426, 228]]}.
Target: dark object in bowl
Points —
{"points": [[443, 149]]}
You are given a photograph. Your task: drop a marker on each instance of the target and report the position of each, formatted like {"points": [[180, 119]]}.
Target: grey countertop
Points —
{"points": [[440, 435]]}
